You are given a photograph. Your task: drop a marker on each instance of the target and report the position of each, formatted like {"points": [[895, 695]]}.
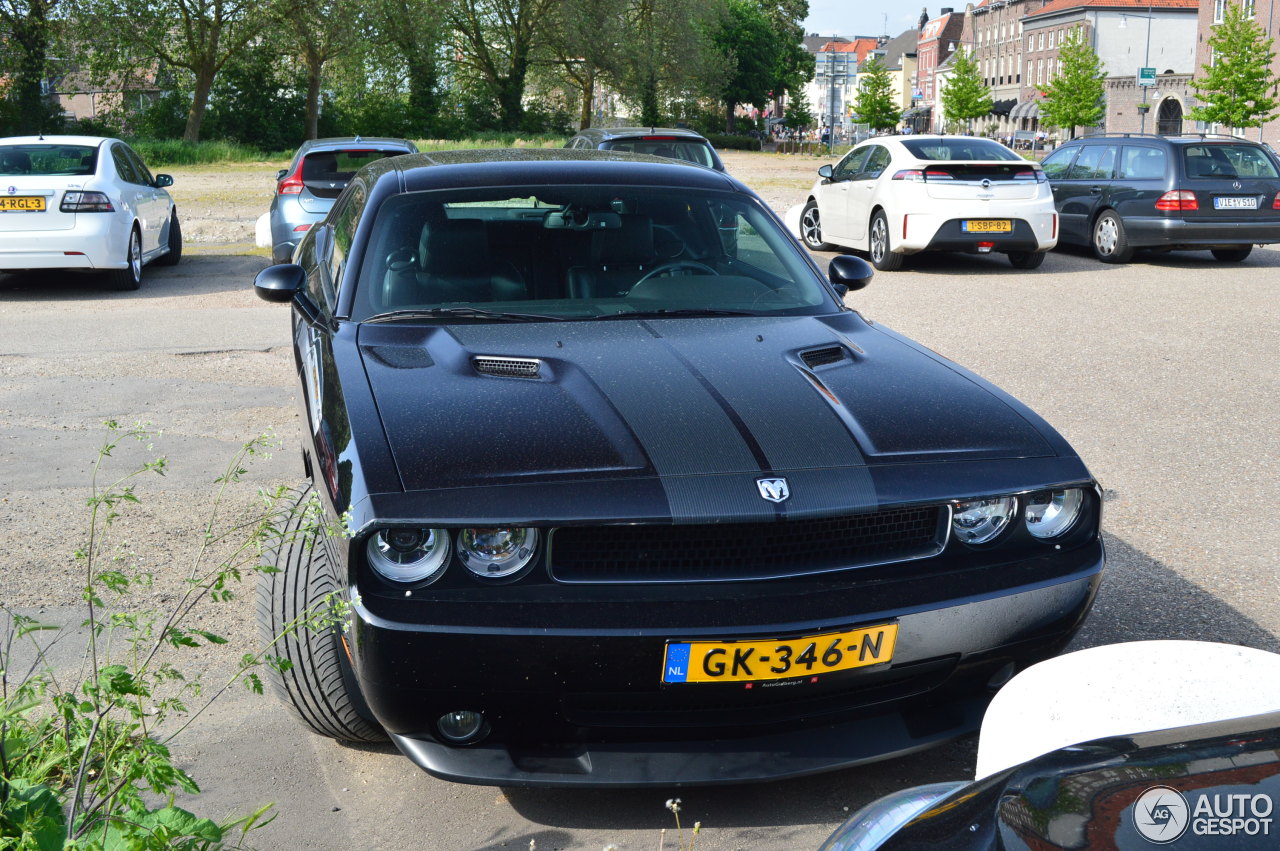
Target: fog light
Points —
{"points": [[462, 727]]}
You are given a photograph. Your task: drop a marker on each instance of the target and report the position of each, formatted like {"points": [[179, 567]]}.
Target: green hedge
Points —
{"points": [[168, 152], [733, 143]]}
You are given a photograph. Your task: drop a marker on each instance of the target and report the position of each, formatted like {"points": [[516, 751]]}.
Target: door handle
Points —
{"points": [[1095, 190]]}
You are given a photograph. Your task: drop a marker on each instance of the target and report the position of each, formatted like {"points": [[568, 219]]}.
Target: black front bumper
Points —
{"points": [[584, 706], [950, 237]]}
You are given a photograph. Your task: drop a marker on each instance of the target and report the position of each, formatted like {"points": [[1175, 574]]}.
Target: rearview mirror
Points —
{"points": [[826, 173], [162, 180], [280, 283]]}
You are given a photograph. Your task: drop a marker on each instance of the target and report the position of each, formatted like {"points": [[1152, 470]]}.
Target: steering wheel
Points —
{"points": [[672, 265]]}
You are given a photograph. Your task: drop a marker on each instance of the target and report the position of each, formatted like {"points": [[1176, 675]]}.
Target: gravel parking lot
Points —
{"points": [[1161, 373]]}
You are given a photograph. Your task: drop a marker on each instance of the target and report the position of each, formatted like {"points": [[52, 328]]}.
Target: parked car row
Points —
{"points": [[87, 203], [892, 197]]}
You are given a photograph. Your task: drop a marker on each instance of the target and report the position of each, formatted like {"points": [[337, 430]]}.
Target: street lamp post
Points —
{"points": [[1143, 107], [831, 101]]}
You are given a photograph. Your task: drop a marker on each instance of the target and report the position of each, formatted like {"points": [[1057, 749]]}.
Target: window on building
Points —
{"points": [[1031, 70], [1247, 6], [1051, 39], [1031, 42], [1042, 42], [1219, 7], [1039, 72]]}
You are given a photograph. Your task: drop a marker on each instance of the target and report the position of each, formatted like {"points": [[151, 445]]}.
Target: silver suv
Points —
{"points": [[318, 173]]}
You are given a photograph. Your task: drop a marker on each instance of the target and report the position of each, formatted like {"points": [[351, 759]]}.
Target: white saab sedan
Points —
{"points": [[84, 202], [892, 196]]}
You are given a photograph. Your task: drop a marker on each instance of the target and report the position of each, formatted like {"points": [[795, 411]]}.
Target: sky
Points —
{"points": [[867, 17]]}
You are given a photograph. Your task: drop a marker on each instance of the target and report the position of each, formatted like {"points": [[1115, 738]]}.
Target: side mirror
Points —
{"points": [[281, 173], [848, 273], [162, 180], [826, 172], [280, 283]]}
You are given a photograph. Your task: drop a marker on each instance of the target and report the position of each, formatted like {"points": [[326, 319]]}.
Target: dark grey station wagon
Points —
{"points": [[1118, 194]]}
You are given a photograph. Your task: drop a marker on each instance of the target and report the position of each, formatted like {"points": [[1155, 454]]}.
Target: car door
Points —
{"points": [[864, 191], [148, 204], [833, 197], [1085, 189]]}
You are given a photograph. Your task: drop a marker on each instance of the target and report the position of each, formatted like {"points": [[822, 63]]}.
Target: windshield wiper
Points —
{"points": [[664, 313], [464, 312]]}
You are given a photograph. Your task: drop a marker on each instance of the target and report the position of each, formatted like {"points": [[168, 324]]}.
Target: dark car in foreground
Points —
{"points": [[632, 498], [1118, 194], [674, 143], [315, 177]]}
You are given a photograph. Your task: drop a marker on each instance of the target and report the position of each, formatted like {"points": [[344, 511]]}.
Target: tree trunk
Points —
{"points": [[423, 102], [650, 115], [588, 87], [511, 100], [32, 36], [199, 103], [730, 118], [313, 99]]}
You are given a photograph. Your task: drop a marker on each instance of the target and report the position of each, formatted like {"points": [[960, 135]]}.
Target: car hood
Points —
{"points": [[485, 404]]}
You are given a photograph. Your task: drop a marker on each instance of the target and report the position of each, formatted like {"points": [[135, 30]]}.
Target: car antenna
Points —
{"points": [[358, 139]]}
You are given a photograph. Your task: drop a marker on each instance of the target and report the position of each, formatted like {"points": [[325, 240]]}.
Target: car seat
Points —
{"points": [[619, 257], [15, 162], [454, 263]]}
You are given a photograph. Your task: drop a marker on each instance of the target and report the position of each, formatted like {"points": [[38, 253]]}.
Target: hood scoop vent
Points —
{"points": [[815, 358], [508, 367]]}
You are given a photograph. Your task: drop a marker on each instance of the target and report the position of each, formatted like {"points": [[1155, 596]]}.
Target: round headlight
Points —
{"points": [[409, 555], [981, 520], [497, 553], [1052, 513]]}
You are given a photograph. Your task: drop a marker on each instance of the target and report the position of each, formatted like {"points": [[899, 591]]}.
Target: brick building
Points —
{"points": [[1266, 14], [1127, 35]]}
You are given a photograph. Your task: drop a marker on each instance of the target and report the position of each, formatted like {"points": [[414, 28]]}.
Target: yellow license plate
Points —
{"points": [[780, 659], [986, 226], [21, 204]]}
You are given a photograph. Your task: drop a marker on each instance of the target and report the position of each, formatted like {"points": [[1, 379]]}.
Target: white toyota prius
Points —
{"points": [[84, 202], [893, 196]]}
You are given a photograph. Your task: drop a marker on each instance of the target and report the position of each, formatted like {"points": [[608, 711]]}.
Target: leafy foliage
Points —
{"points": [[965, 96], [1074, 98], [90, 767], [1238, 87], [875, 104]]}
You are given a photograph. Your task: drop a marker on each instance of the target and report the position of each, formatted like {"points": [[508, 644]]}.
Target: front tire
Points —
{"points": [[174, 253], [1110, 242], [811, 228], [881, 257], [1232, 255], [314, 688], [130, 277], [1026, 259]]}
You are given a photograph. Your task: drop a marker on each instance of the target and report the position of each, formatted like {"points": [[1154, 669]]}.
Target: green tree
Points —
{"points": [[748, 40], [583, 45], [799, 115], [666, 53], [321, 31], [26, 31], [795, 65], [1074, 98], [965, 96], [197, 36], [875, 103], [413, 33], [1238, 87], [497, 42]]}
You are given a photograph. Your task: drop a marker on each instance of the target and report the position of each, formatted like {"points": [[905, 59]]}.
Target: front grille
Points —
{"points": [[725, 552], [508, 367]]}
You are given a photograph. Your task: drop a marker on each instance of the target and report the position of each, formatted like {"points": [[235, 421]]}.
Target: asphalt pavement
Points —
{"points": [[1161, 373]]}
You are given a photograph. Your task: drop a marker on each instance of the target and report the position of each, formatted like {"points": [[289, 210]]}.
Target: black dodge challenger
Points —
{"points": [[630, 497]]}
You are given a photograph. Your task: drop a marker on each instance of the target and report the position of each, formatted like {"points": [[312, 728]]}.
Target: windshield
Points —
{"points": [[958, 148], [581, 252], [1227, 160], [51, 160], [669, 147]]}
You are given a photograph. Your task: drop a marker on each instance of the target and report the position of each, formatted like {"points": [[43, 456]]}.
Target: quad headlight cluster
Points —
{"points": [[1046, 514], [420, 556]]}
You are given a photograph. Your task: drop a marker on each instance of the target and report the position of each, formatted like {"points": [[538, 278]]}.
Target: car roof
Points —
{"points": [[338, 142], [1185, 139], [57, 140], [623, 132], [541, 167]]}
